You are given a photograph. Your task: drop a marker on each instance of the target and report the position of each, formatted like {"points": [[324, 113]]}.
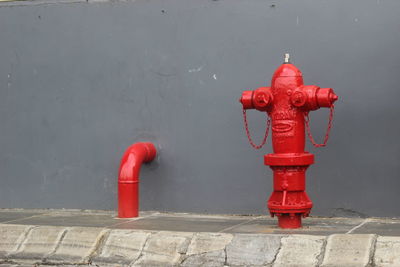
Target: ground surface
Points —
{"points": [[185, 222], [71, 237]]}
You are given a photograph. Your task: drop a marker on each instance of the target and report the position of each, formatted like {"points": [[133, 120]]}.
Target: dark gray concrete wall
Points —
{"points": [[80, 82]]}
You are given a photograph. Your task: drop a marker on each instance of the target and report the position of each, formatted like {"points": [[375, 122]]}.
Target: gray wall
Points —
{"points": [[80, 82]]}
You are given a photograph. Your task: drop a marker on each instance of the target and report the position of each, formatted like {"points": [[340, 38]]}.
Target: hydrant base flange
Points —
{"points": [[288, 221]]}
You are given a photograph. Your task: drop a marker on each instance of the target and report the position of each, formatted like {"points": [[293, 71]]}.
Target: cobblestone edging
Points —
{"points": [[22, 245]]}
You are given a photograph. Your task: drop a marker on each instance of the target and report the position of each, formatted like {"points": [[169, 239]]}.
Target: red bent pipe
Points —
{"points": [[128, 178]]}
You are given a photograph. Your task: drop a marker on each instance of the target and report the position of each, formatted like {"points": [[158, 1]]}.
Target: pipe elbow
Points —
{"points": [[128, 177], [132, 160]]}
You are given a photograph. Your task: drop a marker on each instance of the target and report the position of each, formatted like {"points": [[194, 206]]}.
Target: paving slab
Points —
{"points": [[348, 250], [300, 251], [387, 252], [252, 250], [77, 245], [183, 224], [156, 221], [121, 247], [164, 249], [311, 226], [382, 226], [39, 243], [84, 220], [11, 238], [11, 216]]}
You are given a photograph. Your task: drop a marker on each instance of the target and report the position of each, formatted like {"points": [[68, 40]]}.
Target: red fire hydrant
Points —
{"points": [[287, 104]]}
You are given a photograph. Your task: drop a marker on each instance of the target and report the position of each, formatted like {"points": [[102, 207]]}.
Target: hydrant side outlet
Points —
{"points": [[287, 103]]}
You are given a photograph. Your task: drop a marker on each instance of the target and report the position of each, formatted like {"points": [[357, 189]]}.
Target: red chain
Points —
{"points": [[307, 121], [248, 132]]}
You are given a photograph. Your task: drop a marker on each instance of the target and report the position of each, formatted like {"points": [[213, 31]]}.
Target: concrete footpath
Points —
{"points": [[71, 237]]}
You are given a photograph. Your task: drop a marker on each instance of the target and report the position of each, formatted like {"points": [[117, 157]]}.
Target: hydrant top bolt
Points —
{"points": [[287, 57]]}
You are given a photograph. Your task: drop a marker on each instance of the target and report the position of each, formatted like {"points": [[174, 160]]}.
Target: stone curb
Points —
{"points": [[22, 245]]}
